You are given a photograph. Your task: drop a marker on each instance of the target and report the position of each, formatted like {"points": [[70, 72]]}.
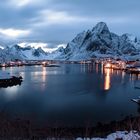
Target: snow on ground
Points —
{"points": [[123, 135]]}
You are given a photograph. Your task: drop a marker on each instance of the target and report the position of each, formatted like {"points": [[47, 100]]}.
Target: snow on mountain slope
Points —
{"points": [[47, 47], [28, 52], [98, 42], [101, 42], [57, 54], [6, 55]]}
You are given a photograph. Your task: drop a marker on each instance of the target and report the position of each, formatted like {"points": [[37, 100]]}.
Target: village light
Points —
{"points": [[3, 65], [108, 65], [43, 63]]}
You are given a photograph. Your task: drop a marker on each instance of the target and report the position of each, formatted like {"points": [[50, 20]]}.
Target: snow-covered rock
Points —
{"points": [[124, 135]]}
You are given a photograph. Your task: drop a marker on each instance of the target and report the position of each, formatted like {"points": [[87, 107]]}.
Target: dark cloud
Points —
{"points": [[61, 20]]}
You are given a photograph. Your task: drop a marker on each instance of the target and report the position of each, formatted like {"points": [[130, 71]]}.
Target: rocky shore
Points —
{"points": [[24, 129]]}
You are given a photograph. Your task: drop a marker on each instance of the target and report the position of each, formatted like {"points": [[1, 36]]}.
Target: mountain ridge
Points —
{"points": [[95, 43], [100, 41]]}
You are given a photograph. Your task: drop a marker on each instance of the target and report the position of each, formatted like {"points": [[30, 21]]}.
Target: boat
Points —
{"points": [[12, 81], [51, 65], [138, 87], [136, 101]]}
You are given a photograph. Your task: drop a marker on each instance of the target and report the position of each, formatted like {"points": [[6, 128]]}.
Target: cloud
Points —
{"points": [[23, 3], [20, 3], [51, 18], [15, 33], [60, 20]]}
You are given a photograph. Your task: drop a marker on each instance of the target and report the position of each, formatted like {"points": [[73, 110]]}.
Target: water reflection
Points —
{"points": [[97, 68], [71, 93], [102, 68], [11, 70], [90, 68], [44, 73], [22, 74], [3, 68], [83, 68], [87, 68], [123, 75], [44, 76], [134, 77], [40, 76], [107, 79], [11, 92]]}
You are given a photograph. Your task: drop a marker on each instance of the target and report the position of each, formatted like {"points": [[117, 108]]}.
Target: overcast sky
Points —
{"points": [[61, 20]]}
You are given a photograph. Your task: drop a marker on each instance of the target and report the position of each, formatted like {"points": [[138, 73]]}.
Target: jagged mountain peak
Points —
{"points": [[98, 42], [19, 48], [101, 27], [40, 50], [101, 42], [130, 37], [16, 46]]}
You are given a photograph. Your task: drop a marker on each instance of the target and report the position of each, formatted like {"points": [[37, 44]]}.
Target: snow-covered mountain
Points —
{"points": [[27, 53], [17, 52], [100, 42]]}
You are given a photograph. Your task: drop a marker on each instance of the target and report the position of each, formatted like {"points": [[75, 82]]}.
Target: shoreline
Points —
{"points": [[19, 128], [24, 128]]}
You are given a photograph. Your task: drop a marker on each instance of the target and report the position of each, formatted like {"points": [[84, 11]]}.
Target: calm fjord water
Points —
{"points": [[70, 95]]}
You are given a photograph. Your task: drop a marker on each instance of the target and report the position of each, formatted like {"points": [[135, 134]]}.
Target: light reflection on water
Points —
{"points": [[107, 79], [44, 77], [71, 93], [134, 77], [11, 92]]}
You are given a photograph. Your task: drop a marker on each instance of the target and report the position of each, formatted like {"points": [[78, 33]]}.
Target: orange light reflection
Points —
{"points": [[107, 79], [44, 76], [44, 73]]}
